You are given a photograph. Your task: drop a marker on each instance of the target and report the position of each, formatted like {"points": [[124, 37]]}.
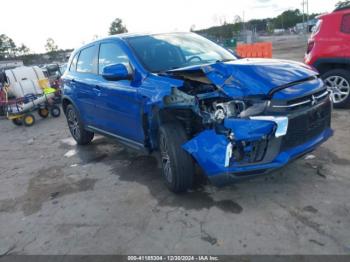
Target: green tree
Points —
{"points": [[288, 19], [258, 24], [23, 50], [7, 46], [51, 46], [117, 27], [341, 4]]}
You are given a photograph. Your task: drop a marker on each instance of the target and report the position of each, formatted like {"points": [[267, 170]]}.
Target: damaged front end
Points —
{"points": [[241, 117]]}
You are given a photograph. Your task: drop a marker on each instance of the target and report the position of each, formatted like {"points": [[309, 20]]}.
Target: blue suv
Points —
{"points": [[195, 102]]}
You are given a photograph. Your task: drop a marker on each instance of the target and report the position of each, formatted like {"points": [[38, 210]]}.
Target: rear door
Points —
{"points": [[119, 105], [345, 30], [86, 83]]}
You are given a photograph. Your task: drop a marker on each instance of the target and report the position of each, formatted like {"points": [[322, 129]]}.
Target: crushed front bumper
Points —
{"points": [[260, 145]]}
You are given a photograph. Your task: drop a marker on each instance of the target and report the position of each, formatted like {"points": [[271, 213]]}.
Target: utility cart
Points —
{"points": [[26, 90]]}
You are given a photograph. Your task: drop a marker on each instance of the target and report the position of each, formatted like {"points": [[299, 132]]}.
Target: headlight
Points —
{"points": [[256, 108], [228, 109]]}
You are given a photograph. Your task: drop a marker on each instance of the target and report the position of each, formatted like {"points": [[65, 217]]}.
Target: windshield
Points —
{"points": [[163, 52]]}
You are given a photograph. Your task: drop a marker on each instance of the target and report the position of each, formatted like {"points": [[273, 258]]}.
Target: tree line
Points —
{"points": [[9, 49], [287, 19]]}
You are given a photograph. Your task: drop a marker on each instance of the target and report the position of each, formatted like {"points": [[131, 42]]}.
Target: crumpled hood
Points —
{"points": [[246, 77]]}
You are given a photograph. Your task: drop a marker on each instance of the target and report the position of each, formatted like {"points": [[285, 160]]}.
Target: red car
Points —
{"points": [[329, 52]]}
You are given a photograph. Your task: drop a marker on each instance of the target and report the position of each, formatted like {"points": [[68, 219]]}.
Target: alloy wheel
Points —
{"points": [[166, 164], [73, 124], [339, 88]]}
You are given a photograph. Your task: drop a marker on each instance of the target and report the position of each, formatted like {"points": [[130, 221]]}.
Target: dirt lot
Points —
{"points": [[290, 47], [58, 198]]}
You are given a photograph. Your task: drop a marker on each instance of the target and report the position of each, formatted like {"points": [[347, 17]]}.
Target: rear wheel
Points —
{"points": [[76, 127], [55, 111], [17, 121], [177, 164], [43, 112], [338, 82], [29, 120]]}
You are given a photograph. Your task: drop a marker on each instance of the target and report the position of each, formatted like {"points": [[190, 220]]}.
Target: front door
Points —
{"points": [[85, 81], [119, 108]]}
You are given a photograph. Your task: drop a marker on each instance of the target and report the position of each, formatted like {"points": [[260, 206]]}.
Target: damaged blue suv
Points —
{"points": [[195, 102]]}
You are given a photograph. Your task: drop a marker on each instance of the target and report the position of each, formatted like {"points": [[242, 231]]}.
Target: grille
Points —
{"points": [[299, 103], [307, 126], [320, 95]]}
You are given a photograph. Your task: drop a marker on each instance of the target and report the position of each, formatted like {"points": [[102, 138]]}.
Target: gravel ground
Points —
{"points": [[60, 198], [290, 47]]}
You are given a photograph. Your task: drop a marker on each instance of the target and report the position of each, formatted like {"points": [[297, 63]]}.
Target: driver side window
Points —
{"points": [[111, 53]]}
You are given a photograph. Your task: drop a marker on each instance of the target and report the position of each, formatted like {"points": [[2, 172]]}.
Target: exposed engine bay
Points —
{"points": [[241, 130], [210, 102]]}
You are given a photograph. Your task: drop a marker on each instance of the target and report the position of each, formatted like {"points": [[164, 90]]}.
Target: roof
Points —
{"points": [[125, 36], [130, 35], [342, 6]]}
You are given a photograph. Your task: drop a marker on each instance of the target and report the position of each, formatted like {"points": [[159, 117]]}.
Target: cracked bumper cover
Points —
{"points": [[210, 148]]}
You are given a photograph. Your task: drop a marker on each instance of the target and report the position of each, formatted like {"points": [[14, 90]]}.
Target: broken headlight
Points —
{"points": [[255, 108], [228, 109], [238, 108]]}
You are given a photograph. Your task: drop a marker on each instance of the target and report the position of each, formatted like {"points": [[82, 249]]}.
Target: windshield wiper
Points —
{"points": [[164, 72], [225, 60]]}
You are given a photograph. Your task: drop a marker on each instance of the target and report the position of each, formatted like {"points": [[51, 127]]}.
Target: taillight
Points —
{"points": [[345, 24], [310, 46]]}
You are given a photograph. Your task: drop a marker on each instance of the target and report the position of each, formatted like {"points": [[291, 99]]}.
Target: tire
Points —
{"points": [[338, 80], [43, 112], [28, 120], [177, 164], [55, 111], [17, 121], [76, 127]]}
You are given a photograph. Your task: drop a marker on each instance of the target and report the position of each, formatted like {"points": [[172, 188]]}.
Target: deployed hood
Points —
{"points": [[247, 77]]}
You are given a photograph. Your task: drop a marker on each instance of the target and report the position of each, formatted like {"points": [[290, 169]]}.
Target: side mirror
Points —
{"points": [[116, 72]]}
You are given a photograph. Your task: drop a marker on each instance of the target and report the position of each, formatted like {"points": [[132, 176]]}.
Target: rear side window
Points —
{"points": [[345, 25], [87, 60], [111, 53], [73, 65], [316, 29]]}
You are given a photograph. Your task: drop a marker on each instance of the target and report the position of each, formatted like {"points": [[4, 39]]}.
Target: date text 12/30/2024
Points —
{"points": [[173, 258]]}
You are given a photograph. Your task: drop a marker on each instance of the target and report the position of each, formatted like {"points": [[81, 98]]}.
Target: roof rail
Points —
{"points": [[342, 6]]}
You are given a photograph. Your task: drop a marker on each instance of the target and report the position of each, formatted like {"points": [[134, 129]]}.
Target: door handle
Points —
{"points": [[98, 88]]}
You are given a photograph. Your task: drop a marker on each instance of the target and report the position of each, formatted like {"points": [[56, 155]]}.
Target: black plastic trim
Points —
{"points": [[335, 60]]}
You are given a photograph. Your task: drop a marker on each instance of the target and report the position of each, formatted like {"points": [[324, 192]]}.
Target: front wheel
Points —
{"points": [[177, 164], [80, 135], [338, 82], [28, 120]]}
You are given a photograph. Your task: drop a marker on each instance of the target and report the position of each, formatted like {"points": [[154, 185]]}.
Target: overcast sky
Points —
{"points": [[73, 22]]}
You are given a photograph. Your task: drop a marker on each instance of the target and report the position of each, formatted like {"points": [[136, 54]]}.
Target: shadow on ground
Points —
{"points": [[132, 166]]}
